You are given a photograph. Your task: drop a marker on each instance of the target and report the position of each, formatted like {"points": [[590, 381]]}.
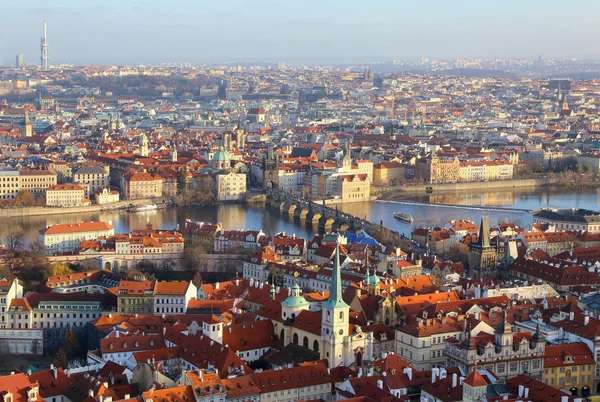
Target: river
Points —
{"points": [[234, 216]]}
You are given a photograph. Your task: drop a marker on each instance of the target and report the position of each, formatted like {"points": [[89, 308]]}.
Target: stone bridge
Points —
{"points": [[320, 216]]}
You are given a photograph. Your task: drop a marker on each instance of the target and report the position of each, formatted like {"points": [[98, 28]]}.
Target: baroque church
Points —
{"points": [[326, 332]]}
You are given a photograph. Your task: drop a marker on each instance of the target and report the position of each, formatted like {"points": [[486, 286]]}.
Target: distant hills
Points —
{"points": [[475, 73]]}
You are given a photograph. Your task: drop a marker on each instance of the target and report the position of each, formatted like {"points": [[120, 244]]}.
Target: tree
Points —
{"points": [[197, 279], [31, 263], [181, 179], [61, 359], [35, 347], [70, 346], [15, 240], [23, 199], [195, 258], [58, 268]]}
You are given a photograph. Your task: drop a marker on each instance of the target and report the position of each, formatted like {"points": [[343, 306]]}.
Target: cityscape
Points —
{"points": [[362, 228]]}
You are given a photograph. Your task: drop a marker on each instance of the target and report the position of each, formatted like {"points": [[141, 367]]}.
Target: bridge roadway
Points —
{"points": [[458, 206]]}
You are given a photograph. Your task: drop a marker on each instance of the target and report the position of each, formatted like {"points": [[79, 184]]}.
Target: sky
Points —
{"points": [[305, 31]]}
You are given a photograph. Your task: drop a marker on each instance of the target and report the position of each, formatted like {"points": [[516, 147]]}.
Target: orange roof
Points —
{"points": [[18, 385], [475, 380], [178, 394], [76, 227], [171, 288], [64, 187], [135, 287]]}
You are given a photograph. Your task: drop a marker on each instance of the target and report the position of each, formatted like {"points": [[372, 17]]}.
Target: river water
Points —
{"points": [[234, 216]]}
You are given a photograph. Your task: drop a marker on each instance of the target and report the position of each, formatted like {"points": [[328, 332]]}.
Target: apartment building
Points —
{"points": [[139, 185], [34, 181], [93, 177], [230, 186], [135, 297], [9, 290], [505, 352], [173, 297], [570, 366]]}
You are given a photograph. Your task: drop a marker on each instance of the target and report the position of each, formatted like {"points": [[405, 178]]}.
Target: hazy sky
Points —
{"points": [[311, 31]]}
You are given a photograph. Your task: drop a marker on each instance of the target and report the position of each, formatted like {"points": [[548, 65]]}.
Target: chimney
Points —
{"points": [[460, 380], [454, 380], [408, 372], [521, 391], [564, 399], [55, 372], [526, 393], [380, 384], [571, 316], [433, 375], [586, 320]]}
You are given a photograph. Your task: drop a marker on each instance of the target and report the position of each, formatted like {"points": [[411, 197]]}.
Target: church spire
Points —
{"points": [[335, 294]]}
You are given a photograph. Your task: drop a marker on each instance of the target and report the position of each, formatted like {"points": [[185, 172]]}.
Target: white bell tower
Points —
{"points": [[334, 319]]}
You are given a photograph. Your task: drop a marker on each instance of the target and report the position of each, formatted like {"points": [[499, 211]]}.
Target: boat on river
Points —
{"points": [[403, 216], [147, 207]]}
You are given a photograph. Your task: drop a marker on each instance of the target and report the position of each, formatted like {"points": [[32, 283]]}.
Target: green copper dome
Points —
{"points": [[221, 155]]}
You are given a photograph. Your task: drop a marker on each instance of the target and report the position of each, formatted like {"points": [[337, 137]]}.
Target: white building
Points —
{"points": [[96, 177], [230, 186], [173, 297], [66, 195], [106, 196], [66, 237]]}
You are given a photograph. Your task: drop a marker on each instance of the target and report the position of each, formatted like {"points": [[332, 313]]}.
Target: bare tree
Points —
{"points": [[15, 240]]}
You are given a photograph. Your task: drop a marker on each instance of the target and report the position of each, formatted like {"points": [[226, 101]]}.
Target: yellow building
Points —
{"points": [[36, 181], [439, 170], [498, 169], [141, 185], [136, 297], [592, 161], [353, 187], [570, 367], [388, 172]]}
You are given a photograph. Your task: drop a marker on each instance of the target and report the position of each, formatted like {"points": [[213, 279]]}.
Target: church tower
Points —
{"points": [[26, 130], [347, 160], [334, 318], [174, 154], [271, 169], [372, 283], [144, 145], [241, 135], [483, 259], [295, 302]]}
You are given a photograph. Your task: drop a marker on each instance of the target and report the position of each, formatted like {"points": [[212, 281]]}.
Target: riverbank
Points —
{"points": [[391, 192], [37, 211]]}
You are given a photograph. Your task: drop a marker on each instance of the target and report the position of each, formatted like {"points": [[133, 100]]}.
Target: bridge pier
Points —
{"points": [[291, 209]]}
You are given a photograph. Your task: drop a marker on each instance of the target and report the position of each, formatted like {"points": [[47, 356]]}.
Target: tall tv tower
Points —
{"points": [[44, 48]]}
